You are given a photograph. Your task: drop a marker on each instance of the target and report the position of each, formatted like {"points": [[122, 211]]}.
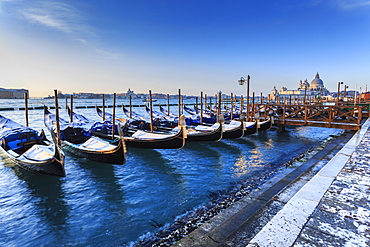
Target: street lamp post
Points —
{"points": [[241, 82], [338, 91]]}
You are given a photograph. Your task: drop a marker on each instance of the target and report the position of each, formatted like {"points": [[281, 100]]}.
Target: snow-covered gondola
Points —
{"points": [[29, 149], [199, 132], [173, 139], [234, 129], [250, 128], [265, 125], [80, 142], [205, 133]]}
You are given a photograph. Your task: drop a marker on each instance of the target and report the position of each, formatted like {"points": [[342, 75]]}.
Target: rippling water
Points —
{"points": [[108, 205]]}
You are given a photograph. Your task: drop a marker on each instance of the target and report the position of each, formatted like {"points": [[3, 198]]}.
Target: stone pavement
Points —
{"points": [[333, 208]]}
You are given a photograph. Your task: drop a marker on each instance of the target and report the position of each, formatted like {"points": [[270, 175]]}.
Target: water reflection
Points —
{"points": [[105, 179], [46, 210], [240, 167], [49, 195], [96, 202], [160, 161]]}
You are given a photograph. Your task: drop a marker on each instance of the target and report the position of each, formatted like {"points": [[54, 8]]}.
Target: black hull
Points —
{"points": [[176, 143], [54, 166], [114, 156], [215, 135], [250, 130], [234, 133], [173, 142], [265, 125]]}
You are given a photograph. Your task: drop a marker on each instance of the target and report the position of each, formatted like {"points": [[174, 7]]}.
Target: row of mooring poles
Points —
{"points": [[249, 109]]}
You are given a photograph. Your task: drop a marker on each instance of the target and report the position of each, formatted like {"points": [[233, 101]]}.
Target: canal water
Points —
{"points": [[100, 204]]}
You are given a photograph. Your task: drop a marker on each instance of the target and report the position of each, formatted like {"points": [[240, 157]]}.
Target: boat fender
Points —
{"points": [[182, 124], [221, 118], [242, 117]]}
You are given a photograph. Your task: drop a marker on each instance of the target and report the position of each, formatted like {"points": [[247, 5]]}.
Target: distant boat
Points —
{"points": [[147, 100]]}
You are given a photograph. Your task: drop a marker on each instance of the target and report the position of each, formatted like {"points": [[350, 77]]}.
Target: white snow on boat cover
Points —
{"points": [[264, 121], [232, 125], [97, 144], [38, 152], [248, 124], [207, 128], [143, 135]]}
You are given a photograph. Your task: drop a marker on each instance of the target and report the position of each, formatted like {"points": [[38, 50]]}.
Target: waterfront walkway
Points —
{"points": [[331, 208]]}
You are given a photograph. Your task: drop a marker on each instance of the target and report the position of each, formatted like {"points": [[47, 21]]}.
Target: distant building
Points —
{"points": [[128, 94], [12, 93], [314, 89], [87, 96]]}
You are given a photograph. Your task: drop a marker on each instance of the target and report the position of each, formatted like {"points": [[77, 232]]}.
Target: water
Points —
{"points": [[114, 205]]}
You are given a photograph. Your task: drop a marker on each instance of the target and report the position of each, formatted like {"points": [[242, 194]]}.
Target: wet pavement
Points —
{"points": [[322, 202]]}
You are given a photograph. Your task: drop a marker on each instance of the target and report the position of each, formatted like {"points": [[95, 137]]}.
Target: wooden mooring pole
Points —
{"points": [[26, 107]]}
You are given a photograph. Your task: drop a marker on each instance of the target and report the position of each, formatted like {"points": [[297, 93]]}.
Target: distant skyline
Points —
{"points": [[207, 45]]}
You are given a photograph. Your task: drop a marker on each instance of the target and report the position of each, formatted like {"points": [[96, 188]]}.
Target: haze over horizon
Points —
{"points": [[110, 46]]}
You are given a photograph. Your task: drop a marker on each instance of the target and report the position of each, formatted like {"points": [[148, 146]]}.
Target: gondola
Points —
{"points": [[137, 121], [205, 133], [200, 132], [29, 149], [192, 119], [234, 129], [130, 115], [80, 142], [226, 112], [174, 139], [189, 110], [163, 120], [172, 120], [265, 125], [166, 112], [152, 140], [250, 128], [208, 118]]}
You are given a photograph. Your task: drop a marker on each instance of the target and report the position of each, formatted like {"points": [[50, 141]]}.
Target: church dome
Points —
{"points": [[317, 82]]}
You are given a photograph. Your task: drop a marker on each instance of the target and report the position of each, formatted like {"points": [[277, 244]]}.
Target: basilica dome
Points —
{"points": [[317, 83]]}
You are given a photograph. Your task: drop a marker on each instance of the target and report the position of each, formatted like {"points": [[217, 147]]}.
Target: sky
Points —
{"points": [[195, 45]]}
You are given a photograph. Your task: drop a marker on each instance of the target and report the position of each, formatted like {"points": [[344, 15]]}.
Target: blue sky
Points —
{"points": [[194, 45]]}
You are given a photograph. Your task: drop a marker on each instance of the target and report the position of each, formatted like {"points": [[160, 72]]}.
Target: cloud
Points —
{"points": [[61, 17], [57, 15], [49, 21], [351, 4], [109, 54], [82, 41]]}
